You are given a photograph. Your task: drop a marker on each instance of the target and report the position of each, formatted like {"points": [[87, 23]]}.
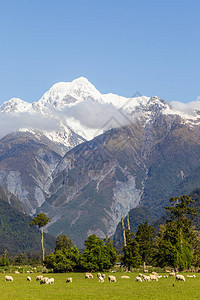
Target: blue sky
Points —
{"points": [[152, 47]]}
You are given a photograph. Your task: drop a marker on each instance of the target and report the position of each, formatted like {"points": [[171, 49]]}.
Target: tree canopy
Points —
{"points": [[40, 220]]}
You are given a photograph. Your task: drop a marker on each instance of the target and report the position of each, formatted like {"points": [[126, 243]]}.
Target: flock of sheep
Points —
{"points": [[154, 277], [41, 278], [111, 278]]}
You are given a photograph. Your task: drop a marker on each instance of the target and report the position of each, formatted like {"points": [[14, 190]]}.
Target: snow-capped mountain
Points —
{"points": [[73, 112], [77, 153]]}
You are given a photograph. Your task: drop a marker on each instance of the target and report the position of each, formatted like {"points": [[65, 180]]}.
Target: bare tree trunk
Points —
{"points": [[129, 228], [42, 242], [123, 228]]}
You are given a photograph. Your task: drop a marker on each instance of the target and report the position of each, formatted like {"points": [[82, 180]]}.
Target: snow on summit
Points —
{"points": [[70, 93], [72, 112]]}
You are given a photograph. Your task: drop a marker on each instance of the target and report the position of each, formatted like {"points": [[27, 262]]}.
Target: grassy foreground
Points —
{"points": [[82, 288]]}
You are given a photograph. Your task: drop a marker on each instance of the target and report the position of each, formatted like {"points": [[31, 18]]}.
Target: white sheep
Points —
{"points": [[88, 275], [98, 275], [180, 277], [166, 276], [39, 277], [112, 278], [191, 276], [28, 278], [153, 277], [138, 279], [159, 276], [50, 281], [44, 280], [145, 271], [147, 278], [101, 280], [172, 274], [69, 279], [154, 273], [125, 277], [8, 278], [104, 276]]}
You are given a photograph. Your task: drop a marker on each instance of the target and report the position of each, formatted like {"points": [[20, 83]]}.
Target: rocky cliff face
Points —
{"points": [[26, 166]]}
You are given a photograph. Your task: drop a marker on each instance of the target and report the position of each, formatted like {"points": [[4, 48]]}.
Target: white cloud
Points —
{"points": [[13, 122], [188, 108]]}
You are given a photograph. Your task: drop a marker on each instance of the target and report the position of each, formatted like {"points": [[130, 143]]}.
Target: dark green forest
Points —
{"points": [[16, 235]]}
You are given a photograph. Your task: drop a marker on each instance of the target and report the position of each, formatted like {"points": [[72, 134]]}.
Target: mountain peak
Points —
{"points": [[15, 105], [77, 90]]}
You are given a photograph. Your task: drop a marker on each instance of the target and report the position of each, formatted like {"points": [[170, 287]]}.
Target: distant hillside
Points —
{"points": [[137, 216], [15, 233], [140, 214], [196, 196]]}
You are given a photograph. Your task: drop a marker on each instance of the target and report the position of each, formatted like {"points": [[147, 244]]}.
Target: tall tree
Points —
{"points": [[63, 241], [131, 256], [173, 247], [64, 259], [97, 256], [41, 220], [145, 238]]}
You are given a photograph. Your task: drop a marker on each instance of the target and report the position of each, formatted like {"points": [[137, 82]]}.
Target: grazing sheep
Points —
{"points": [[39, 277], [140, 275], [50, 281], [69, 279], [16, 272], [104, 276], [98, 275], [88, 275], [159, 276], [145, 271], [44, 280], [125, 277], [28, 278], [191, 276], [153, 277], [138, 279], [8, 278], [180, 277], [172, 274], [112, 278], [147, 278], [27, 271], [154, 273], [101, 280], [166, 276]]}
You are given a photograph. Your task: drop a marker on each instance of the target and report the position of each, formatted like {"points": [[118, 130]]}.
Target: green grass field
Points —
{"points": [[82, 288]]}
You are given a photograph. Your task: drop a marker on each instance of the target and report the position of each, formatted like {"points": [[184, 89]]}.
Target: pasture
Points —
{"points": [[82, 288]]}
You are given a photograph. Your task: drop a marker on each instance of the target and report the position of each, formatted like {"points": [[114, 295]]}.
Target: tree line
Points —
{"points": [[176, 245]]}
